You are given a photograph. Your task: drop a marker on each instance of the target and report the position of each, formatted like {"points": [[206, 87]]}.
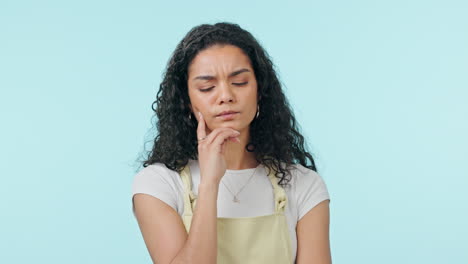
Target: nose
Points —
{"points": [[226, 94]]}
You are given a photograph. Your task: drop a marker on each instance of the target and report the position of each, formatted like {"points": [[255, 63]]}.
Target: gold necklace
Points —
{"points": [[235, 199]]}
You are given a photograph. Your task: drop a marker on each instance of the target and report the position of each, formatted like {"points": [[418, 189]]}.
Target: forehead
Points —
{"points": [[212, 59]]}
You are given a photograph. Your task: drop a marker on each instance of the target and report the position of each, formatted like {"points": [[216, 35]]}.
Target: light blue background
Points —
{"points": [[379, 88]]}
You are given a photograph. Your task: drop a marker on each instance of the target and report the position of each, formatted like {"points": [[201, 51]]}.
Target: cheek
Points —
{"points": [[254, 90], [196, 100], [202, 104], [203, 101], [252, 97]]}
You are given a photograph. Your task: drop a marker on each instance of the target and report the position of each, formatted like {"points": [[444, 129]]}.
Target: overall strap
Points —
{"points": [[281, 198], [189, 197]]}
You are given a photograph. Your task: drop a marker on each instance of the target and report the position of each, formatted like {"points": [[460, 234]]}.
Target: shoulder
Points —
{"points": [[159, 181], [308, 188], [156, 172], [302, 175]]}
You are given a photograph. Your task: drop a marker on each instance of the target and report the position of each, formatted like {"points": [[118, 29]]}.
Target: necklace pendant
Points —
{"points": [[235, 200]]}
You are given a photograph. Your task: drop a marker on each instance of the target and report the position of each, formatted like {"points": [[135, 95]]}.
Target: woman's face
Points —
{"points": [[221, 78]]}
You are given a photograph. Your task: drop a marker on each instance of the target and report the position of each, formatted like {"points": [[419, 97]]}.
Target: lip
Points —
{"points": [[228, 115], [227, 112]]}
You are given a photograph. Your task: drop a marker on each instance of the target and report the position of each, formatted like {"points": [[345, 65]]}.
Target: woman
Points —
{"points": [[228, 179]]}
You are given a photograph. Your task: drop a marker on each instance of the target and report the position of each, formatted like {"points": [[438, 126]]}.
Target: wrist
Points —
{"points": [[208, 186]]}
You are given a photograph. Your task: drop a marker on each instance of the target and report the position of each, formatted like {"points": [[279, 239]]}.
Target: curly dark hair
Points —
{"points": [[274, 136]]}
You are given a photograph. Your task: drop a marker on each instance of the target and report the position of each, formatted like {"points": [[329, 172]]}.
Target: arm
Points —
{"points": [[164, 233], [313, 243]]}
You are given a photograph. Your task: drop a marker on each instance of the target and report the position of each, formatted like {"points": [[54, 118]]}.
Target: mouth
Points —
{"points": [[227, 115]]}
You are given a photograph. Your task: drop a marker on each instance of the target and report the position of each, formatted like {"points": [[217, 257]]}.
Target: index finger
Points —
{"points": [[201, 133]]}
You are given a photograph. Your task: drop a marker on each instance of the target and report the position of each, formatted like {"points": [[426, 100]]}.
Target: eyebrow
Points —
{"points": [[210, 77]]}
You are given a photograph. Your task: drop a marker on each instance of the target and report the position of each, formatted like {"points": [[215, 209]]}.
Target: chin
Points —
{"points": [[231, 124]]}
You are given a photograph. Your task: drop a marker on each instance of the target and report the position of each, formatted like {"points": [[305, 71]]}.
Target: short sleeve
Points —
{"points": [[310, 191], [153, 182]]}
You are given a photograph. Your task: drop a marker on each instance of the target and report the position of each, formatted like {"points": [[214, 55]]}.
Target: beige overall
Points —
{"points": [[247, 240]]}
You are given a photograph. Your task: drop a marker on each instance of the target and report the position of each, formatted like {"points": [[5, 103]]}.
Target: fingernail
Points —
{"points": [[199, 114], [237, 139]]}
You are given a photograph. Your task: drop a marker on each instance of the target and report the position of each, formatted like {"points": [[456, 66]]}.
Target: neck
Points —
{"points": [[237, 157]]}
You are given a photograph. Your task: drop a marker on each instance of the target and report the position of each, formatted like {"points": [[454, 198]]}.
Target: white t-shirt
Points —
{"points": [[306, 190]]}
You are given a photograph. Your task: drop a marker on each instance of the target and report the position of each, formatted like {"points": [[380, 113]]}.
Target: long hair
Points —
{"points": [[274, 136]]}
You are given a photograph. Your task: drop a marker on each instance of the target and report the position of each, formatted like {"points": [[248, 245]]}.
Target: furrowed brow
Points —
{"points": [[210, 77], [238, 72]]}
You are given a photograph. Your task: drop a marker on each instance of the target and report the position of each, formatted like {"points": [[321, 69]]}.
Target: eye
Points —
{"points": [[206, 90], [240, 84]]}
